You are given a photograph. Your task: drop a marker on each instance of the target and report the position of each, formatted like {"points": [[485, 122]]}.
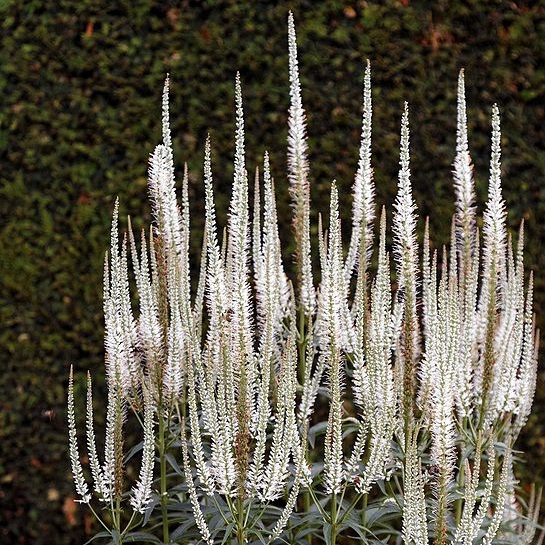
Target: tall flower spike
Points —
{"points": [[478, 516], [197, 511], [141, 493], [77, 471], [120, 328], [217, 295], [494, 220], [162, 186], [335, 287], [464, 184], [405, 212], [405, 252], [199, 297], [472, 481], [165, 114], [373, 375], [494, 259], [239, 233], [298, 175], [333, 453], [272, 290], [150, 333], [185, 283], [216, 379], [123, 370], [96, 469], [527, 373], [509, 336], [501, 499], [363, 208], [285, 436], [176, 352], [415, 524], [256, 226], [112, 470], [442, 356], [238, 260]]}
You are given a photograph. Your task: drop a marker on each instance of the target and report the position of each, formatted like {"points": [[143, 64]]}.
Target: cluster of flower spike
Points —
{"points": [[454, 342]]}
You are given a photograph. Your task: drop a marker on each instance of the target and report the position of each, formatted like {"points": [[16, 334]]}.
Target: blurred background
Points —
{"points": [[80, 87]]}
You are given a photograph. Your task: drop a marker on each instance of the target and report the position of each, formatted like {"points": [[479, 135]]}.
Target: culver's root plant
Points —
{"points": [[423, 359]]}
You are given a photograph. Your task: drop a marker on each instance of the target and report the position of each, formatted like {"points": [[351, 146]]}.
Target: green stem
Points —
{"points": [[393, 493], [241, 533], [118, 519], [317, 504], [129, 526], [333, 528], [97, 516], [364, 512], [257, 518], [248, 512], [441, 530], [349, 509]]}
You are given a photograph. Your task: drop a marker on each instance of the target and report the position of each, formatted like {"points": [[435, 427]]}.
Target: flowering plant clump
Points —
{"points": [[427, 367]]}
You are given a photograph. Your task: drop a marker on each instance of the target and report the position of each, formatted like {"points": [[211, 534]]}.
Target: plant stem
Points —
{"points": [[241, 533], [118, 519], [97, 517], [333, 529], [441, 530], [364, 512]]}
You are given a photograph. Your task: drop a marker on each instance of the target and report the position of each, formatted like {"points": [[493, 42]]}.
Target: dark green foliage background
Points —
{"points": [[80, 85]]}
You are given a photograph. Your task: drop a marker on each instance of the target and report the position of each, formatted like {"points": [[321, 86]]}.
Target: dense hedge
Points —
{"points": [[80, 85]]}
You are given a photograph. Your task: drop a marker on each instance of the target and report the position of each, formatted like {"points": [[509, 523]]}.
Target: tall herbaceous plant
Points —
{"points": [[422, 362]]}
